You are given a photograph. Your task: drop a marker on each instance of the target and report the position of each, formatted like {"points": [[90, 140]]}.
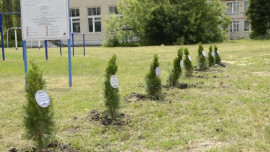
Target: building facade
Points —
{"points": [[239, 27], [87, 16]]}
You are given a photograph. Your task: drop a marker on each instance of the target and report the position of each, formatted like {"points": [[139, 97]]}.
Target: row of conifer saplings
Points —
{"points": [[39, 123]]}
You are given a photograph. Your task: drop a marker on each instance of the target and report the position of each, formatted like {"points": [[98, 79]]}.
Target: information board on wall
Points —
{"points": [[45, 19]]}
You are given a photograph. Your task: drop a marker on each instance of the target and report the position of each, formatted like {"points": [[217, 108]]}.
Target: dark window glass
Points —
{"points": [[76, 28], [90, 23], [98, 24]]}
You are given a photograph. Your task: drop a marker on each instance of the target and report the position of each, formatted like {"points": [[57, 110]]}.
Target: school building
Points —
{"points": [[87, 16]]}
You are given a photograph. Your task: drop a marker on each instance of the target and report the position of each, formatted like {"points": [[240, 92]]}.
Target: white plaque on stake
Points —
{"points": [[42, 99], [203, 53], [218, 52], [189, 58], [181, 64], [213, 54], [158, 71], [45, 19], [114, 81]]}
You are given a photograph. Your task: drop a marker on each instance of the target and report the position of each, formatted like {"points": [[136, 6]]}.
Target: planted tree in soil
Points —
{"points": [[217, 56], [38, 121], [188, 64], [153, 82], [202, 62], [175, 73], [211, 57], [111, 93]]}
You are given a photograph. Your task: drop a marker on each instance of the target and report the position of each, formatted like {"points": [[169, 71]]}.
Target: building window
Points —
{"points": [[74, 13], [233, 7], [94, 19], [246, 26], [234, 27], [246, 6], [75, 20], [113, 10]]}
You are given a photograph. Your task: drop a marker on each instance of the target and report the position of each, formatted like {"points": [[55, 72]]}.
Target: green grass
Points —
{"points": [[236, 101]]}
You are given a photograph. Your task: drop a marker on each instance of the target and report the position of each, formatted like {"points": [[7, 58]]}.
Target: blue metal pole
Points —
{"points": [[2, 37], [23, 52], [60, 44], [84, 44], [25, 61], [69, 49], [73, 43], [46, 49]]}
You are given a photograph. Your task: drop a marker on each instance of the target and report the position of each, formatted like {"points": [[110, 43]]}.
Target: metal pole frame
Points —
{"points": [[60, 45], [46, 49], [73, 43], [25, 61], [2, 37], [69, 49], [84, 44]]}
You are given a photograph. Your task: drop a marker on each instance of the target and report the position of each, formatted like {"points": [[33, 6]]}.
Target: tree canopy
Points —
{"points": [[259, 16], [157, 22]]}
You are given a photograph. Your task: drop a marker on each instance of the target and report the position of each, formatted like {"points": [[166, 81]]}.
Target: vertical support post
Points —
{"points": [[84, 44], [23, 51], [7, 38], [25, 61], [46, 49], [39, 44], [69, 49], [73, 43], [2, 37], [16, 43], [60, 44]]}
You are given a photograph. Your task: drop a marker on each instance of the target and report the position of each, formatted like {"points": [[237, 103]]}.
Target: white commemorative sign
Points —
{"points": [[158, 71], [181, 64], [213, 54], [45, 19], [42, 99], [114, 81], [203, 53], [189, 58]]}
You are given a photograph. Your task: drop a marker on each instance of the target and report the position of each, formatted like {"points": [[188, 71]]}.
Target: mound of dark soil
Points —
{"points": [[134, 97], [104, 118], [52, 147]]}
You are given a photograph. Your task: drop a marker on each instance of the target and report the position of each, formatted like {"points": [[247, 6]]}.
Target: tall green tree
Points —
{"points": [[176, 72], [188, 64], [202, 58], [112, 96], [153, 81], [7, 19], [211, 57], [259, 16], [38, 121]]}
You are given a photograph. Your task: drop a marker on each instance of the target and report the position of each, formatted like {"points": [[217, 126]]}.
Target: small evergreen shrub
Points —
{"points": [[38, 121], [188, 64], [175, 73], [153, 82], [112, 97], [211, 58], [217, 56], [202, 63]]}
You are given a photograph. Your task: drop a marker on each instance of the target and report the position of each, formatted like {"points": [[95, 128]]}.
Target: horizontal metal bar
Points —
{"points": [[10, 13]]}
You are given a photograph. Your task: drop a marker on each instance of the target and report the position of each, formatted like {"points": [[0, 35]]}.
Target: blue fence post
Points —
{"points": [[46, 49], [60, 44], [69, 49], [25, 61], [84, 44], [73, 43], [2, 37]]}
